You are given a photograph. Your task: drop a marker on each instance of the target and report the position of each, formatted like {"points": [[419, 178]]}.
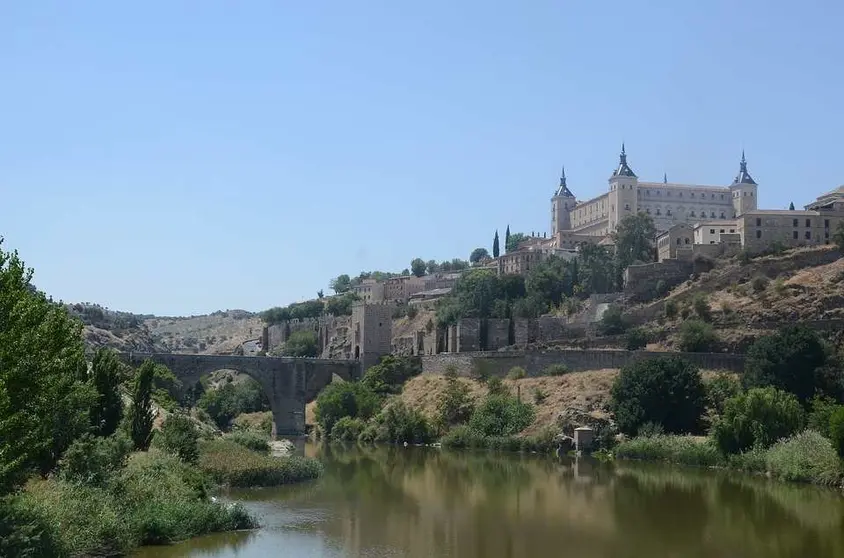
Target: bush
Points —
{"points": [[455, 406], [821, 411], [664, 390], [806, 457], [721, 388], [179, 437], [612, 321], [302, 343], [25, 531], [685, 312], [347, 429], [93, 460], [231, 464], [792, 359], [501, 415], [650, 429], [701, 305], [637, 338], [836, 430], [391, 373], [396, 424], [232, 399], [539, 395], [516, 373], [757, 418], [345, 399], [670, 308], [751, 461], [558, 369], [683, 450], [250, 441], [759, 283], [463, 437], [696, 336]]}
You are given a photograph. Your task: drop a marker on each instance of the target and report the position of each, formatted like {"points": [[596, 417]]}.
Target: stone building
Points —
{"points": [[371, 332], [667, 203], [676, 242], [369, 290], [400, 289], [521, 261]]}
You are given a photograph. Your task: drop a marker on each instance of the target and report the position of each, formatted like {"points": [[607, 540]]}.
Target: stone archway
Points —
{"points": [[289, 383]]}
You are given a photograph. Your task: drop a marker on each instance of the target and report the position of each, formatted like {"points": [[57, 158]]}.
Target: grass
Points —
{"points": [[804, 457], [231, 464], [683, 450], [463, 437], [155, 499]]}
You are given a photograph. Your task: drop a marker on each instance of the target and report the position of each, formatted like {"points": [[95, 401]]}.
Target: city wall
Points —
{"points": [[534, 362]]}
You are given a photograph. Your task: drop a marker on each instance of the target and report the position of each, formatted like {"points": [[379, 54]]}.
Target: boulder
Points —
{"points": [[571, 418]]}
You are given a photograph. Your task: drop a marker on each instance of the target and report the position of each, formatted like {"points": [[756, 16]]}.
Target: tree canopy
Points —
{"points": [[513, 241], [495, 248], [418, 267], [341, 284], [634, 239], [478, 254]]}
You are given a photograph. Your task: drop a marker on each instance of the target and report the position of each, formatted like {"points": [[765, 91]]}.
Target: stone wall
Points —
{"points": [[468, 335], [497, 334], [534, 362]]}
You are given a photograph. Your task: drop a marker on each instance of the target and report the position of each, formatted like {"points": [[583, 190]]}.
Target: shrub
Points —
{"points": [[558, 369], [344, 399], [25, 531], [93, 460], [820, 413], [227, 402], [516, 373], [231, 464], [612, 321], [495, 386], [756, 418], [670, 308], [396, 424], [726, 309], [685, 312], [664, 390], [455, 406], [347, 429], [302, 343], [751, 461], [650, 429], [637, 338], [807, 457], [696, 336], [539, 395], [791, 359], [701, 305], [250, 441], [179, 437], [463, 437], [759, 283], [683, 450], [721, 388], [501, 415], [391, 373], [836, 430]]}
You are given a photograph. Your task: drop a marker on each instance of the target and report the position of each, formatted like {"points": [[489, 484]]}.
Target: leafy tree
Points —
{"points": [[390, 374], [612, 321], [836, 430], [501, 415], [757, 418], [663, 390], [431, 266], [791, 359], [44, 398], [225, 403], [344, 399], [341, 305], [597, 269], [495, 248], [478, 254], [141, 414], [93, 460], [513, 241], [637, 338], [302, 343], [307, 309], [340, 284], [634, 239], [551, 280], [179, 437], [531, 306], [457, 264], [417, 267], [275, 315], [474, 295], [455, 406], [507, 239], [696, 336], [107, 411], [320, 294]]}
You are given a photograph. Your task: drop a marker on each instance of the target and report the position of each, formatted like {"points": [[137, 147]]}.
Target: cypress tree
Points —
{"points": [[507, 238], [142, 415], [495, 248], [107, 411]]}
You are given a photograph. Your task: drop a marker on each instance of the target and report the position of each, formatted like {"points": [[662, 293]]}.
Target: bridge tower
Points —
{"points": [[372, 332]]}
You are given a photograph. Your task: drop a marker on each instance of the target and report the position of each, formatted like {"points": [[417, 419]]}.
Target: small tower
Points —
{"points": [[623, 187], [743, 189], [562, 202]]}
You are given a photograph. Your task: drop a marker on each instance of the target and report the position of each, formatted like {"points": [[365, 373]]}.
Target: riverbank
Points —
{"points": [[154, 499]]}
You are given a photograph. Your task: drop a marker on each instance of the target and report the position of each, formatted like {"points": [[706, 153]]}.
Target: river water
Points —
{"points": [[427, 503]]}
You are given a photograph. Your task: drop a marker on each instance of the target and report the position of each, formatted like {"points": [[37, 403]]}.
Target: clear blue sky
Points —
{"points": [[183, 157]]}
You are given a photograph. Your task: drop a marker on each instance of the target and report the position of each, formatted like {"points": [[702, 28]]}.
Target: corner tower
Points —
{"points": [[623, 187], [561, 204], [743, 189]]}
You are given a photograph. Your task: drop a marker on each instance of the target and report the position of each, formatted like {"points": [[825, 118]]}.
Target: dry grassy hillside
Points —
{"points": [[217, 333]]}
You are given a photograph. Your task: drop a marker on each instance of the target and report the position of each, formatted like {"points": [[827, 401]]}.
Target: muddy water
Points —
{"points": [[390, 502]]}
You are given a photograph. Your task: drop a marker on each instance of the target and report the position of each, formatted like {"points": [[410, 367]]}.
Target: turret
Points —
{"points": [[623, 186], [561, 203], [743, 189]]}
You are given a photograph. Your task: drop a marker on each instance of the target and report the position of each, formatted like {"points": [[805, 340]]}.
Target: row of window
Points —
{"points": [[680, 194], [691, 213], [795, 222], [795, 235]]}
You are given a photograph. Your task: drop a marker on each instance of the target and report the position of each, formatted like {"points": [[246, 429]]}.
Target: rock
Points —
{"points": [[281, 448], [564, 443], [571, 418]]}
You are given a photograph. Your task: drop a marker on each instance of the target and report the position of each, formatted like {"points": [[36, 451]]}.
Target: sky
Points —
{"points": [[181, 157]]}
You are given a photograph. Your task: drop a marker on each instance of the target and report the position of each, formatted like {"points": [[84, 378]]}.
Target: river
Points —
{"points": [[428, 503]]}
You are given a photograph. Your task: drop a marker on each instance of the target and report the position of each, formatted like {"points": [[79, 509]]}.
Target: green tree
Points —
{"points": [[551, 280], [507, 238], [612, 321], [44, 395], [501, 415], [838, 236], [696, 336], [513, 241], [666, 390], [320, 294], [390, 374], [340, 284], [107, 411], [341, 305], [757, 418], [791, 359], [634, 240], [179, 437], [455, 405], [141, 413], [495, 247], [597, 269], [302, 343], [473, 296], [344, 399], [418, 267], [791, 206], [431, 266], [478, 254]]}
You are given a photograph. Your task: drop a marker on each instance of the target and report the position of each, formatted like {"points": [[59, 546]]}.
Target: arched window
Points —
{"points": [[657, 211], [692, 213], [678, 241]]}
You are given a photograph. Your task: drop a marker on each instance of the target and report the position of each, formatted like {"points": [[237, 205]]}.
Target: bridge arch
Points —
{"points": [[289, 383]]}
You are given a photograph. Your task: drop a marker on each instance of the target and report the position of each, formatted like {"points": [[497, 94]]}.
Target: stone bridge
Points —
{"points": [[287, 382]]}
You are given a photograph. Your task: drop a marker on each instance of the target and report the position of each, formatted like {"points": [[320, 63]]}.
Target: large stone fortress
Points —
{"points": [[669, 204]]}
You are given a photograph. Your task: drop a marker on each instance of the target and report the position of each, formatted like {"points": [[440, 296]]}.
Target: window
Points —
{"points": [[794, 235], [722, 196], [668, 212], [627, 206], [712, 242], [808, 235], [732, 230], [657, 211], [722, 231], [692, 194], [758, 223], [692, 214], [712, 214], [723, 216], [648, 193], [678, 241], [681, 194], [826, 234], [808, 222], [711, 231], [648, 210], [758, 234], [713, 196], [826, 223], [687, 240], [794, 222]]}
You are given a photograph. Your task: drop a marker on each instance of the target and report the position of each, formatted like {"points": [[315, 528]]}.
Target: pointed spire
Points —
{"points": [[743, 177], [562, 189], [665, 178], [623, 168]]}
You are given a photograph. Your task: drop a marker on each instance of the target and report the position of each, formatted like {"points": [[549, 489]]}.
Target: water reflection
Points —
{"points": [[427, 503]]}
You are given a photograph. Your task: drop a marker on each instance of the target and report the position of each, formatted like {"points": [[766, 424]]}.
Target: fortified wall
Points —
{"points": [[535, 362], [325, 327]]}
